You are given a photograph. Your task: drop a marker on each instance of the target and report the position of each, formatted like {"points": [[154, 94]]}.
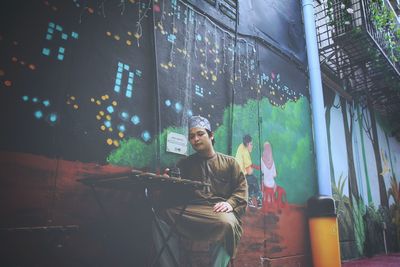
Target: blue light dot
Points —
{"points": [[25, 98], [135, 119], [53, 117], [60, 57], [107, 124], [46, 103], [168, 102], [75, 35], [35, 100], [110, 109], [190, 113], [61, 50], [178, 107], [38, 114], [124, 115], [146, 136], [121, 128], [46, 51]]}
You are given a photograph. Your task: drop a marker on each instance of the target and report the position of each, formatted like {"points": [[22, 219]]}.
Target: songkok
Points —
{"points": [[199, 122]]}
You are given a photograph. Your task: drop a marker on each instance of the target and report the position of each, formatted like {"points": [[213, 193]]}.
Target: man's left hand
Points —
{"points": [[223, 207]]}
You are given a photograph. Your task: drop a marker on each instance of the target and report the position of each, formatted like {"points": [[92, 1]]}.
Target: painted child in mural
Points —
{"points": [[244, 159], [213, 213], [274, 195]]}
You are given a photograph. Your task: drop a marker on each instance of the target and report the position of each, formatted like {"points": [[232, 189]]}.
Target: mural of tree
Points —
{"points": [[348, 132], [373, 136]]}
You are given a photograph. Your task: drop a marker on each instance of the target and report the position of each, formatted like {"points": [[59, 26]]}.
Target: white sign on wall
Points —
{"points": [[177, 143]]}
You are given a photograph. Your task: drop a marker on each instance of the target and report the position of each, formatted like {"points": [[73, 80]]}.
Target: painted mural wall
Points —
{"points": [[364, 170], [95, 88]]}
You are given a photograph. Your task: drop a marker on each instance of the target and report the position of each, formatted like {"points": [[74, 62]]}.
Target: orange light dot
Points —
{"points": [[110, 129], [114, 103], [116, 143], [8, 83], [72, 97], [121, 134], [128, 42], [109, 141], [101, 113], [76, 106], [116, 37], [90, 10], [108, 117], [108, 33], [32, 67], [98, 117], [103, 128], [14, 59], [98, 102], [103, 97], [129, 33]]}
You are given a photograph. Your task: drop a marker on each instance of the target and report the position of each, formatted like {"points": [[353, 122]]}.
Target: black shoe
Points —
{"points": [[259, 203]]}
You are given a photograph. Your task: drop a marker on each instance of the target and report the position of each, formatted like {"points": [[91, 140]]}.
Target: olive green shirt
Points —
{"points": [[227, 180]]}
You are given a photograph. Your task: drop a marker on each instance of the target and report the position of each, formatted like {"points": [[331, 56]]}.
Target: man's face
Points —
{"points": [[250, 147], [199, 139]]}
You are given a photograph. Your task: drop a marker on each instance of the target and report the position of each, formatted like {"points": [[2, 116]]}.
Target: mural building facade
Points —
{"points": [[100, 87]]}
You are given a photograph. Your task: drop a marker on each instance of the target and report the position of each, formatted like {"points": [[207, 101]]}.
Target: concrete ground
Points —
{"points": [[381, 260]]}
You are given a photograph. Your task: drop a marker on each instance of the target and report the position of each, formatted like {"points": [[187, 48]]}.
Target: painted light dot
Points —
{"points": [[76, 106], [38, 114], [168, 102], [146, 136], [190, 113], [121, 135], [114, 103], [110, 109], [98, 102], [101, 113], [108, 117], [110, 129], [103, 128], [7, 83], [116, 37], [98, 117], [53, 117], [109, 141], [25, 98], [121, 128], [103, 97], [135, 120], [129, 33], [72, 97], [124, 115], [35, 100], [107, 124], [46, 103], [92, 100], [116, 143], [178, 107], [14, 59], [108, 33], [128, 42]]}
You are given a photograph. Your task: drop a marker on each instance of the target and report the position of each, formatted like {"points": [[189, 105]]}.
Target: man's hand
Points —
{"points": [[223, 207]]}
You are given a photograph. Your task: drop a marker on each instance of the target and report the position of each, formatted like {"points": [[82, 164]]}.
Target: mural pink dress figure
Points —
{"points": [[274, 196]]}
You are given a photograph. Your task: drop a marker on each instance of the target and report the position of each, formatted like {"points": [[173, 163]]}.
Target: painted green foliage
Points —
{"points": [[287, 128]]}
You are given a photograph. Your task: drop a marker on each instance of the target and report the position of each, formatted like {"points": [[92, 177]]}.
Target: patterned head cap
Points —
{"points": [[200, 122]]}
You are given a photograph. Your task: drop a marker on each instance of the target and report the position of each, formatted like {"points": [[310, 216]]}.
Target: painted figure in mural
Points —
{"points": [[213, 213], [274, 195], [244, 159]]}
